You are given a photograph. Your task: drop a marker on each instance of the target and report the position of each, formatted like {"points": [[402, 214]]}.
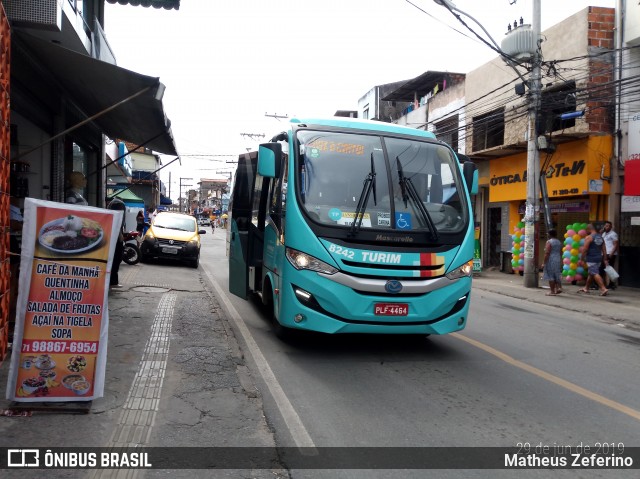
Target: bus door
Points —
{"points": [[248, 213], [256, 233], [241, 206]]}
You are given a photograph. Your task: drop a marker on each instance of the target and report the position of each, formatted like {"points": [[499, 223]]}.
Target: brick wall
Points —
{"points": [[601, 99], [5, 168]]}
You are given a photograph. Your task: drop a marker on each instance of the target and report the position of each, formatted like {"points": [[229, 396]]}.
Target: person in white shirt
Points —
{"points": [[611, 243]]}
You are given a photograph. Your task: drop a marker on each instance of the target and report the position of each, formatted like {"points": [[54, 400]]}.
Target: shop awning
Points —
{"points": [[128, 197], [418, 86], [164, 200], [166, 4], [95, 86]]}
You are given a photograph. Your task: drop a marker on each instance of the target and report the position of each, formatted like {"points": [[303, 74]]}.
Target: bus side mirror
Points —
{"points": [[470, 173], [269, 160]]}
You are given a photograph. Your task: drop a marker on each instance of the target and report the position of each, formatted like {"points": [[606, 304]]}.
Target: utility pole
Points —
{"points": [[230, 173], [181, 199], [532, 213]]}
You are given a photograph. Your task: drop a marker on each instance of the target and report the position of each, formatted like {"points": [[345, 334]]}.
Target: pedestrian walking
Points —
{"points": [[552, 265], [611, 243], [594, 253], [117, 204]]}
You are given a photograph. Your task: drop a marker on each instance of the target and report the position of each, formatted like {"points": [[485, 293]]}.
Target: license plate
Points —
{"points": [[170, 250], [391, 309]]}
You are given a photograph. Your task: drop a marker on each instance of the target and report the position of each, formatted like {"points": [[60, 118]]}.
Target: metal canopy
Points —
{"points": [[166, 4], [96, 86], [418, 87]]}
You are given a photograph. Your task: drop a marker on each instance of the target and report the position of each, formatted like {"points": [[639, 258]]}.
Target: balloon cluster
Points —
{"points": [[573, 268], [517, 247]]}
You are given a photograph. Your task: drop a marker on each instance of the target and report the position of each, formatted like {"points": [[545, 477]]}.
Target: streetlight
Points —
{"points": [[181, 208]]}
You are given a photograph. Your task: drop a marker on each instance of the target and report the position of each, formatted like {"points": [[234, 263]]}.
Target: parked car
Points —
{"points": [[173, 236], [204, 222]]}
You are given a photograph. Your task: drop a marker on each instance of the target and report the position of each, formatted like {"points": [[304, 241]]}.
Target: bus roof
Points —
{"points": [[364, 125]]}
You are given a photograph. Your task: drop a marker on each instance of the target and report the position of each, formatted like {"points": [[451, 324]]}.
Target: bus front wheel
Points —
{"points": [[282, 332]]}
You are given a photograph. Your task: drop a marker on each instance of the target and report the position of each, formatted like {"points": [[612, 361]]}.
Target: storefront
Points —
{"points": [[629, 241], [63, 105], [577, 178]]}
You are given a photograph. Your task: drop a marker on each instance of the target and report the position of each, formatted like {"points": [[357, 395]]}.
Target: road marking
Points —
{"points": [[289, 414], [551, 378]]}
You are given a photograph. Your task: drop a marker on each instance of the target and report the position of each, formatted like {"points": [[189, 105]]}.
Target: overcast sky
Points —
{"points": [[227, 63]]}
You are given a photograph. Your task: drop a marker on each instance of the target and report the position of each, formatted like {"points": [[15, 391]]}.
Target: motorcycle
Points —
{"points": [[131, 253]]}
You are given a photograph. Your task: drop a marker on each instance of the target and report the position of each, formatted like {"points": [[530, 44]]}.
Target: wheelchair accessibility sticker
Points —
{"points": [[403, 221]]}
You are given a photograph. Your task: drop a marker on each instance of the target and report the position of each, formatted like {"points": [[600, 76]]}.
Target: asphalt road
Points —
{"points": [[520, 373]]}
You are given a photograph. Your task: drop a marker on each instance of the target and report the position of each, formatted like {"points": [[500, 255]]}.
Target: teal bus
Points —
{"points": [[354, 226]]}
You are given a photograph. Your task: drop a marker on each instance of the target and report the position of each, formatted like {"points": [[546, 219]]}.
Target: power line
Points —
{"points": [[208, 154], [276, 116]]}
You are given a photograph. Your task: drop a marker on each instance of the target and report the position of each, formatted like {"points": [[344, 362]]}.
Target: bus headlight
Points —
{"points": [[300, 260], [465, 270]]}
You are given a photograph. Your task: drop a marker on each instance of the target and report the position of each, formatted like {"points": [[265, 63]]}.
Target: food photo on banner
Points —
{"points": [[60, 340]]}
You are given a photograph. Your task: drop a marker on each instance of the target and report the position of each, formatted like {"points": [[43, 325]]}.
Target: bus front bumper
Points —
{"points": [[324, 306]]}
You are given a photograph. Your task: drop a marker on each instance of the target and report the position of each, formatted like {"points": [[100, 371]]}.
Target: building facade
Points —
{"points": [[68, 102], [628, 140], [575, 125], [586, 120], [372, 107]]}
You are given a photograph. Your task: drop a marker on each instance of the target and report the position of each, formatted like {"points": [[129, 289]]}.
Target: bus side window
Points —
{"points": [[278, 196], [257, 216], [274, 202], [243, 223]]}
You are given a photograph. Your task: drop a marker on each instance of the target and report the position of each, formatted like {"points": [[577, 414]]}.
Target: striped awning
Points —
{"points": [[166, 4]]}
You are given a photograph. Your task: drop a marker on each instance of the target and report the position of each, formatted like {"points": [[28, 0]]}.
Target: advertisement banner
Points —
{"points": [[60, 338], [576, 169], [633, 138], [477, 259]]}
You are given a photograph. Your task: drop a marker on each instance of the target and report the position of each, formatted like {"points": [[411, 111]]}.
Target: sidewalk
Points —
{"points": [[207, 395], [621, 305], [175, 376]]}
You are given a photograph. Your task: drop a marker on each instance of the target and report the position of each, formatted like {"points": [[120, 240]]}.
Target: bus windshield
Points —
{"points": [[399, 183]]}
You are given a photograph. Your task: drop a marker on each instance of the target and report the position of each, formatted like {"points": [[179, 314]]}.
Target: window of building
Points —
{"points": [[555, 102], [365, 113], [447, 131], [488, 130]]}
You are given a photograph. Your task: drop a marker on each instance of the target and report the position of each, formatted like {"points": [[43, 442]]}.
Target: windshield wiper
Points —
{"points": [[368, 185], [408, 190]]}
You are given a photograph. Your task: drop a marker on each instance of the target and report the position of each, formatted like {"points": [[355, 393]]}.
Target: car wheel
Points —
{"points": [[195, 262]]}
